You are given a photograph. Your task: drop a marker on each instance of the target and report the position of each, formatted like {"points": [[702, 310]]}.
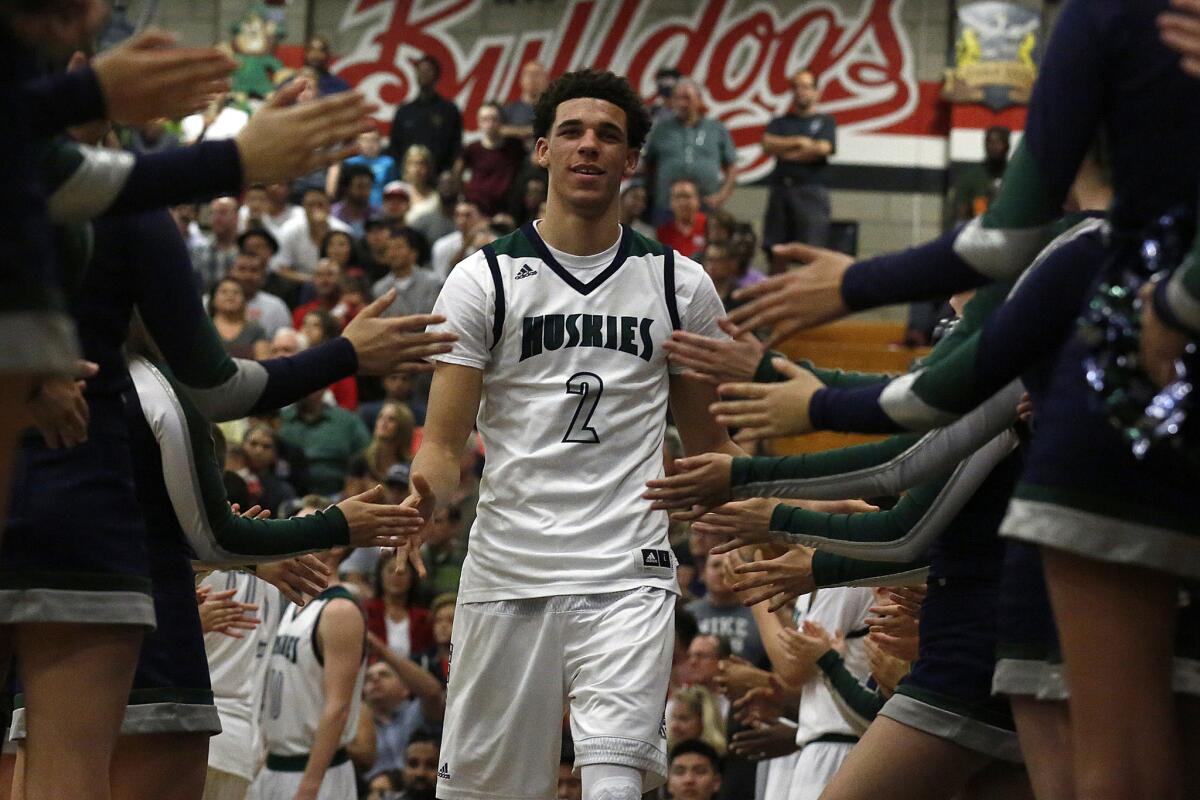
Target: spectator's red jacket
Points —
{"points": [[420, 625]]}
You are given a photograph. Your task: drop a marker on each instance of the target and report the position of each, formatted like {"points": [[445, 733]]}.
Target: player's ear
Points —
{"points": [[631, 162], [541, 152]]}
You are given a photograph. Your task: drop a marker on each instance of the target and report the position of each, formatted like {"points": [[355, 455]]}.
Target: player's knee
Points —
{"points": [[623, 788]]}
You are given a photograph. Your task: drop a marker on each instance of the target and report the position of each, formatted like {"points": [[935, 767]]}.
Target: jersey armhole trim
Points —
{"points": [[669, 287], [498, 317]]}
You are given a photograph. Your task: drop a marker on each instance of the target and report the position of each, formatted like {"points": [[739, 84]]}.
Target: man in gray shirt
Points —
{"points": [[688, 144], [416, 289], [720, 613]]}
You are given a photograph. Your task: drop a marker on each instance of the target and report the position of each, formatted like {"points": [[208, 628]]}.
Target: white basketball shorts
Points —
{"points": [[517, 663], [338, 784]]}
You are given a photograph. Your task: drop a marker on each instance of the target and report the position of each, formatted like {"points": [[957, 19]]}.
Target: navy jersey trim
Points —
{"points": [[545, 255], [489, 253], [669, 287]]}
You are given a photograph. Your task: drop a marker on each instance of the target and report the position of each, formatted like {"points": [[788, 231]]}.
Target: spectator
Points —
{"points": [[185, 216], [290, 463], [420, 768], [704, 656], [329, 437], [356, 293], [327, 286], [436, 660], [267, 207], [449, 250], [397, 388], [374, 241], [801, 142], [416, 289], [317, 55], [212, 259], [391, 441], [153, 137], [443, 553], [221, 119], [429, 120], [418, 172], [288, 342], [354, 208], [341, 248], [385, 785], [633, 206], [371, 155], [517, 115], [719, 226], [529, 196], [250, 270], [396, 204], [695, 714], [396, 713], [266, 488], [688, 144], [300, 239], [664, 82], [241, 337], [392, 615], [693, 772], [722, 267], [978, 184], [439, 220], [685, 230], [493, 162], [319, 327], [721, 613]]}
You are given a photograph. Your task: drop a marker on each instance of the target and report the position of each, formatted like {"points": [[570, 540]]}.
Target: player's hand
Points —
{"points": [[700, 484], [298, 579], [779, 580], [764, 410], [285, 139], [760, 704], [373, 524], [1025, 408], [741, 523], [421, 498], [716, 361], [794, 300], [1159, 346], [762, 741], [736, 676], [1180, 30], [395, 344], [59, 410], [146, 77], [886, 667], [220, 613], [808, 645], [893, 620]]}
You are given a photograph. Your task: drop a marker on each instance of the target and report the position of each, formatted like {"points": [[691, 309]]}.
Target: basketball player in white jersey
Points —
{"points": [[237, 668], [313, 692], [567, 592]]}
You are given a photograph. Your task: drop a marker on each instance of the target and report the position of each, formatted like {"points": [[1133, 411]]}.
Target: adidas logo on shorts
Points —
{"points": [[444, 772], [525, 272]]}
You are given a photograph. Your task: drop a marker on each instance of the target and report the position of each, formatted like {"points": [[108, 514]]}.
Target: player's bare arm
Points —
{"points": [[453, 407], [340, 634]]}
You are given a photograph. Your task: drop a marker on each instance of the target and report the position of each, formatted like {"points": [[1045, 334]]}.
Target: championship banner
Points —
{"points": [[742, 54], [995, 54]]}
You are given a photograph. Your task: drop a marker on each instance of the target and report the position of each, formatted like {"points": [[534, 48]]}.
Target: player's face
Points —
{"points": [[420, 767], [587, 153], [692, 777]]}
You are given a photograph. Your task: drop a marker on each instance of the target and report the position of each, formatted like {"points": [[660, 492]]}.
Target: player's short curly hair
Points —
{"points": [[602, 86]]}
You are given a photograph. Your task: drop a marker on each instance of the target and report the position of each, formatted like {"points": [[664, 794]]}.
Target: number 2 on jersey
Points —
{"points": [[589, 387]]}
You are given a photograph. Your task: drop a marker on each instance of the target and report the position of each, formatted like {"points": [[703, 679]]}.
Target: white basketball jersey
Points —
{"points": [[237, 668], [295, 691], [574, 408], [837, 610]]}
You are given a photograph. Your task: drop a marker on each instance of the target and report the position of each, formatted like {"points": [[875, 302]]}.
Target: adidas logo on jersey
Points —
{"points": [[525, 272], [444, 772]]}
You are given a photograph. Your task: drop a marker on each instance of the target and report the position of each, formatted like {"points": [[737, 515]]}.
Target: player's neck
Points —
{"points": [[567, 231]]}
